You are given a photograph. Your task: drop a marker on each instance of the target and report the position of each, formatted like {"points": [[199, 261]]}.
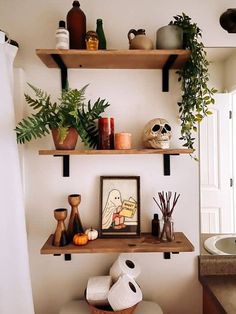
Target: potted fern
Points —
{"points": [[194, 77], [66, 118]]}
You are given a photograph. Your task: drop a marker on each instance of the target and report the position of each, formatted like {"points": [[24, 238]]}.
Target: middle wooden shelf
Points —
{"points": [[170, 151]]}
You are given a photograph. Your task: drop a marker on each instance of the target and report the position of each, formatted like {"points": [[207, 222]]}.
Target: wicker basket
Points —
{"points": [[108, 310]]}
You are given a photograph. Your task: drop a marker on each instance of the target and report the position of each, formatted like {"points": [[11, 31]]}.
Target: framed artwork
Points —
{"points": [[120, 206]]}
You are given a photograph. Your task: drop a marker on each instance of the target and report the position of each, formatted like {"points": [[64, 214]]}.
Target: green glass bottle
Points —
{"points": [[101, 36]]}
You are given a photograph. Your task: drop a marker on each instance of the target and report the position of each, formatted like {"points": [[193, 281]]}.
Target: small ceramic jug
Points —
{"points": [[139, 40]]}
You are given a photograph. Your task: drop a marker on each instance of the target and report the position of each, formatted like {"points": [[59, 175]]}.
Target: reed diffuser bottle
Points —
{"points": [[165, 206]]}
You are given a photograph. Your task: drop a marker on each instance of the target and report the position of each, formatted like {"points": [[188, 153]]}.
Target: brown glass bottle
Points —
{"points": [[156, 226], [76, 25]]}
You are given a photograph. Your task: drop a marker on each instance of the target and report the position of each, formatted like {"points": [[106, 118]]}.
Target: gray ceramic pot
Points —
{"points": [[169, 37]]}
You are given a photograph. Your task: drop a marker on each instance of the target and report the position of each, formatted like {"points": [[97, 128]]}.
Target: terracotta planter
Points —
{"points": [[69, 142]]}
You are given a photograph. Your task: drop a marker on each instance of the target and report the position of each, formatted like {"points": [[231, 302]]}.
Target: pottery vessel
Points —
{"points": [[139, 40], [169, 37], [60, 236], [75, 225], [228, 20], [69, 142]]}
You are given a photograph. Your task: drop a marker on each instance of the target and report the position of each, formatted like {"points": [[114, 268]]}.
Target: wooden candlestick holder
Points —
{"points": [[75, 224], [60, 236]]}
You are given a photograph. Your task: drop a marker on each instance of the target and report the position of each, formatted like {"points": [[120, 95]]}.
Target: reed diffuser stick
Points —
{"points": [[165, 206]]}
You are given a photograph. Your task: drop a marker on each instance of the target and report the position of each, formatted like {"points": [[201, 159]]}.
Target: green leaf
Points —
{"points": [[69, 111], [194, 79]]}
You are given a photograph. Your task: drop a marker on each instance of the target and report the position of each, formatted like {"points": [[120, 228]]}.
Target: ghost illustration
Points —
{"points": [[111, 207]]}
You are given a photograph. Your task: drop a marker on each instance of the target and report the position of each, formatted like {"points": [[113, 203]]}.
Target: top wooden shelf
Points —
{"points": [[114, 59]]}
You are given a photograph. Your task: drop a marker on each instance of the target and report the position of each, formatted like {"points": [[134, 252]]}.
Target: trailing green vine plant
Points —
{"points": [[194, 77], [69, 111]]}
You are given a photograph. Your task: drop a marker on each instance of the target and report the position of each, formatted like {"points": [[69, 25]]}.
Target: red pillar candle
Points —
{"points": [[106, 133], [122, 140]]}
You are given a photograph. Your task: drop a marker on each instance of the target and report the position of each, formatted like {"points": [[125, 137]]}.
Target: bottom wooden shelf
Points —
{"points": [[145, 243]]}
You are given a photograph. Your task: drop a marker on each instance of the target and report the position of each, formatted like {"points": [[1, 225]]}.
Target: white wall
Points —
{"points": [[230, 76], [136, 97]]}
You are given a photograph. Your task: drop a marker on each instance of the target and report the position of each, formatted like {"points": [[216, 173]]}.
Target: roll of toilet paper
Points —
{"points": [[124, 293], [125, 264], [97, 290]]}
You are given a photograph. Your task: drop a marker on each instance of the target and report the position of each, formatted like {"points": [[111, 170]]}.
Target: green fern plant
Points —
{"points": [[194, 77], [70, 111]]}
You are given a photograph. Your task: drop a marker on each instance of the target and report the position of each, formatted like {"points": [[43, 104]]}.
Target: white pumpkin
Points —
{"points": [[91, 233]]}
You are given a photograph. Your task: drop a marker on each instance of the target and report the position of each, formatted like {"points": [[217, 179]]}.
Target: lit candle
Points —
{"points": [[123, 140]]}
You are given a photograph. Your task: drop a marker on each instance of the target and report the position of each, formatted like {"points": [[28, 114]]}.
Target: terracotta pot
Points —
{"points": [[69, 142]]}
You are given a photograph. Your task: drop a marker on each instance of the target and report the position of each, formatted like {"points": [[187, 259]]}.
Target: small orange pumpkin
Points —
{"points": [[80, 239]]}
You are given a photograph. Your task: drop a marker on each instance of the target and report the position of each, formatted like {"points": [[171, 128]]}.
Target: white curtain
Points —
{"points": [[15, 284]]}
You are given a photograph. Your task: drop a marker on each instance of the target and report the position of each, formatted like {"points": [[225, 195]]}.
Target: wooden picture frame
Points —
{"points": [[120, 206]]}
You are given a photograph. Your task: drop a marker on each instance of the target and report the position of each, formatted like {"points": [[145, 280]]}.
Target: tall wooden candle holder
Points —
{"points": [[60, 236], [75, 224]]}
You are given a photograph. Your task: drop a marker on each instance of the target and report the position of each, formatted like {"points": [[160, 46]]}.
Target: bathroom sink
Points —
{"points": [[223, 244]]}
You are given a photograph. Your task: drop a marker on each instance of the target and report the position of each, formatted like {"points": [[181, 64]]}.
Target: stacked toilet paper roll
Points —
{"points": [[124, 293], [97, 290], [124, 265]]}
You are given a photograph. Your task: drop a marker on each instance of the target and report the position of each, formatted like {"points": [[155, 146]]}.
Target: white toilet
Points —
{"points": [[81, 307], [75, 307], [148, 307]]}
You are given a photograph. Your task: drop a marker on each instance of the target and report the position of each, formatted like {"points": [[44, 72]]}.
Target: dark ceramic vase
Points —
{"points": [[75, 225], [228, 20]]}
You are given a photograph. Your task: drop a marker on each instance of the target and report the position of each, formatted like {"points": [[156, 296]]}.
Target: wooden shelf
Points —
{"points": [[113, 59], [146, 243], [170, 151]]}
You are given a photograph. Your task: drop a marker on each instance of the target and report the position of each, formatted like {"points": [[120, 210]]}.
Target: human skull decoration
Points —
{"points": [[157, 134]]}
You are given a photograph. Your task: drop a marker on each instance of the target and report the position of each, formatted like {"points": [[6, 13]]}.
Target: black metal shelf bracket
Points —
{"points": [[62, 66], [65, 164], [166, 163], [165, 72], [166, 255], [67, 257]]}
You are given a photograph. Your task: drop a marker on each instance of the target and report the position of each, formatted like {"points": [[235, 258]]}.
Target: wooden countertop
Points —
{"points": [[223, 290]]}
